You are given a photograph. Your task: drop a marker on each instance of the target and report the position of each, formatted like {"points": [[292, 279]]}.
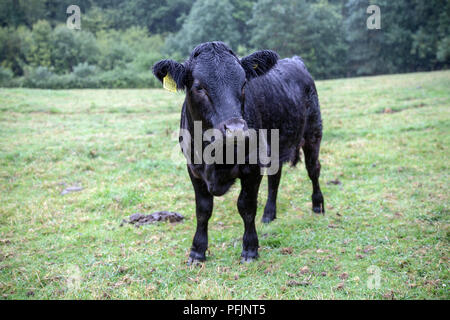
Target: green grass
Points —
{"points": [[390, 212]]}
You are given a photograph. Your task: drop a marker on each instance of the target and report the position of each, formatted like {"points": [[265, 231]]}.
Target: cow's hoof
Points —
{"points": [[318, 204], [194, 262], [270, 213], [196, 258], [247, 260], [319, 210], [248, 256], [267, 219]]}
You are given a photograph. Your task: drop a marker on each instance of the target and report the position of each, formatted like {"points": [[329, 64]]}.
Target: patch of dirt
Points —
{"points": [[293, 283], [336, 182], [369, 249], [139, 219], [389, 295], [343, 276], [287, 250], [304, 270], [93, 154], [340, 286], [395, 110]]}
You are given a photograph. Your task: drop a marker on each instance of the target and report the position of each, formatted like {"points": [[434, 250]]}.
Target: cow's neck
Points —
{"points": [[204, 171]]}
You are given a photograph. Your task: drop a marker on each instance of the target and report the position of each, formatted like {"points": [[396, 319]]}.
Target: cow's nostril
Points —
{"points": [[235, 125]]}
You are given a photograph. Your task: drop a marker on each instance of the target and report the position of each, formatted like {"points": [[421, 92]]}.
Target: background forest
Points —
{"points": [[120, 40]]}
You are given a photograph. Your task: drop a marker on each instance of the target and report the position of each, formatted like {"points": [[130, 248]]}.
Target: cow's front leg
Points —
{"points": [[247, 204], [203, 210]]}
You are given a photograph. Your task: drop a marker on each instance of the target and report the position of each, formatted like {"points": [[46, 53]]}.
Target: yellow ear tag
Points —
{"points": [[255, 66], [169, 83]]}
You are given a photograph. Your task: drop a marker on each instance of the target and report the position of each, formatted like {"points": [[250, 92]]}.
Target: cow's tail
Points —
{"points": [[296, 154]]}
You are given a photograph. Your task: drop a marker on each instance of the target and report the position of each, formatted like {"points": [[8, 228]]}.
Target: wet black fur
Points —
{"points": [[268, 94]]}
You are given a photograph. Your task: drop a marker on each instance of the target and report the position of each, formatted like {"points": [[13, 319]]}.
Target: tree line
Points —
{"points": [[120, 40]]}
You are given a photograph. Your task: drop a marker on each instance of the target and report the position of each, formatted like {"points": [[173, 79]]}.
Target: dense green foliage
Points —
{"points": [[119, 40], [200, 27]]}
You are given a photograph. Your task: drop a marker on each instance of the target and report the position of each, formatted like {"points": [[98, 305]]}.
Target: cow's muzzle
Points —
{"points": [[234, 127]]}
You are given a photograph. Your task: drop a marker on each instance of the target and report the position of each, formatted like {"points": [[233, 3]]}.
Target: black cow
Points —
{"points": [[233, 95]]}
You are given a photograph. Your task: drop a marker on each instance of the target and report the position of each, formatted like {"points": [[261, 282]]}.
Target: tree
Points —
{"points": [[39, 50], [71, 47], [159, 16], [27, 12], [365, 45], [431, 39], [325, 40], [21, 12], [125, 37], [312, 30], [95, 20], [114, 52], [241, 14], [412, 36], [12, 48], [208, 20], [280, 26]]}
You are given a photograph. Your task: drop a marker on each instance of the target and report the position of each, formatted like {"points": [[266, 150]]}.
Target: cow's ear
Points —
{"points": [[175, 70], [259, 63]]}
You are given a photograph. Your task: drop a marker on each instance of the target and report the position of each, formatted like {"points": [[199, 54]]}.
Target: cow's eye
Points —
{"points": [[200, 92], [198, 87]]}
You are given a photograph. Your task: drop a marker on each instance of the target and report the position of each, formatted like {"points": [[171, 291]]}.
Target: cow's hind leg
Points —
{"points": [[311, 150], [247, 203], [203, 211], [270, 210]]}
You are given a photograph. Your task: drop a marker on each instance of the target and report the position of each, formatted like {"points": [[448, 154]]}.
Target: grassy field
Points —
{"points": [[385, 234]]}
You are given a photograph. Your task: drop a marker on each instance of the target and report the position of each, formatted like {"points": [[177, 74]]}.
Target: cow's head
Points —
{"points": [[214, 79]]}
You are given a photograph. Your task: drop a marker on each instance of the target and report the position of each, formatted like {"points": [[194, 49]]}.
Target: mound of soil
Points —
{"points": [[139, 219]]}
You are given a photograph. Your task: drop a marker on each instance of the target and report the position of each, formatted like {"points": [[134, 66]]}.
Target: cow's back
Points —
{"points": [[281, 99]]}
